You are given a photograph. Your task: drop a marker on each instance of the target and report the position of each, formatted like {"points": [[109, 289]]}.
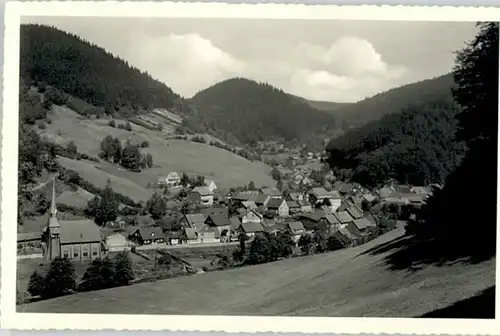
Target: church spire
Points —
{"points": [[53, 206]]}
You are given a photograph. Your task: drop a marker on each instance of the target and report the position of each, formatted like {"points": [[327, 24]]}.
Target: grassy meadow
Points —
{"points": [[342, 283], [225, 168]]}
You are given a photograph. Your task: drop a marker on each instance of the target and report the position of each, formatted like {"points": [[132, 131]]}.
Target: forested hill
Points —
{"points": [[416, 146], [435, 90], [86, 71], [251, 111]]}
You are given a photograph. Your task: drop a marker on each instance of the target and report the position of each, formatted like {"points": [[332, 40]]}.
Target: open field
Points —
{"points": [[225, 168], [341, 283]]}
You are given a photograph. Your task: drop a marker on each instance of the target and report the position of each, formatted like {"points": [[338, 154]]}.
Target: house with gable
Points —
{"points": [[219, 223], [344, 218], [319, 195], [262, 200], [192, 220], [293, 206], [278, 207], [273, 193], [210, 184], [250, 216], [251, 229], [296, 230], [173, 179], [206, 195], [148, 235]]}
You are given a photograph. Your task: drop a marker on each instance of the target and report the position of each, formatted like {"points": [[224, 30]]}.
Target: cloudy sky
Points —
{"points": [[341, 61]]}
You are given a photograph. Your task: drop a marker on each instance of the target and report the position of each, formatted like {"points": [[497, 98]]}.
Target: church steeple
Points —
{"points": [[53, 206]]}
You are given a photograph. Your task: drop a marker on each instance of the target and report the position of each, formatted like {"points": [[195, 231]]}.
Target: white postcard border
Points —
{"points": [[12, 320]]}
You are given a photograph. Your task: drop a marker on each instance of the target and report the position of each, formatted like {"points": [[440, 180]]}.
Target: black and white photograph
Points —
{"points": [[256, 167]]}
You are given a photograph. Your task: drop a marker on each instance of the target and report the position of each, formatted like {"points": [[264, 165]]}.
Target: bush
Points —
{"points": [[112, 123], [41, 124], [198, 139]]}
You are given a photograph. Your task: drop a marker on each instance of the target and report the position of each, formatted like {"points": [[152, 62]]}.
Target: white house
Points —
{"points": [[251, 216], [279, 207], [173, 179], [210, 184], [207, 196]]}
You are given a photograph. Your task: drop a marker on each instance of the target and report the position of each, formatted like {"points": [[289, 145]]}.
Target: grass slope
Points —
{"points": [[225, 168], [343, 283]]}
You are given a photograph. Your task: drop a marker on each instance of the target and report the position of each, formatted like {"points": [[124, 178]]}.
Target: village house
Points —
{"points": [[278, 207], [305, 206], [355, 211], [220, 225], [207, 196], [148, 236], [262, 200], [208, 235], [29, 241], [234, 229], [249, 205], [293, 206], [189, 236], [344, 218], [73, 239], [173, 179], [319, 195], [210, 184], [251, 229], [315, 221], [174, 237], [194, 197], [250, 216], [116, 242], [295, 196], [273, 193], [296, 230], [192, 220], [248, 195], [361, 227]]}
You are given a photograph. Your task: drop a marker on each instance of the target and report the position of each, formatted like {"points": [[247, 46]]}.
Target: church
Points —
{"points": [[73, 239]]}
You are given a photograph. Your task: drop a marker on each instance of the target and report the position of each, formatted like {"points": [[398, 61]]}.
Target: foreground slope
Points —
{"points": [[343, 283], [225, 168]]}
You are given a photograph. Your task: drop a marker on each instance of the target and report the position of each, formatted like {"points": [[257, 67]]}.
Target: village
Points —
{"points": [[212, 222]]}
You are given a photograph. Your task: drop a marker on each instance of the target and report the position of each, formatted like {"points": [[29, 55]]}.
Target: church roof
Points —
{"points": [[79, 231]]}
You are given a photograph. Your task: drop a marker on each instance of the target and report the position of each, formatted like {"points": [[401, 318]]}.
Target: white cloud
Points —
{"points": [[186, 62]]}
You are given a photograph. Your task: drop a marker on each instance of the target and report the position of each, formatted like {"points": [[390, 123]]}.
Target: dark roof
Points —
{"points": [[346, 188], [190, 233], [362, 223], [215, 211], [29, 236], [235, 223], [355, 211], [151, 232], [318, 192], [79, 231], [293, 204], [250, 195], [304, 202], [261, 199], [314, 216], [203, 191], [348, 234], [295, 196], [296, 226], [343, 217], [195, 219], [252, 227], [270, 191], [331, 219], [403, 188], [219, 219], [274, 203]]}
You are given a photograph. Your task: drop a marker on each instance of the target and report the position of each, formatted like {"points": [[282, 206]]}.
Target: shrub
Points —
{"points": [[112, 123], [41, 124]]}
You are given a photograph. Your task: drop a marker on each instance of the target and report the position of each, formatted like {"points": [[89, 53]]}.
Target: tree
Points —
{"points": [[251, 185], [110, 148], [99, 275], [128, 126], [476, 79], [123, 269], [156, 206], [36, 285], [131, 157], [305, 243], [60, 279], [184, 180], [279, 184], [112, 123], [275, 174], [149, 160], [72, 149], [103, 208]]}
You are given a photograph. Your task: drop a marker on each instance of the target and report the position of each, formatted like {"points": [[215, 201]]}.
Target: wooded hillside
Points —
{"points": [[251, 111], [86, 71]]}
